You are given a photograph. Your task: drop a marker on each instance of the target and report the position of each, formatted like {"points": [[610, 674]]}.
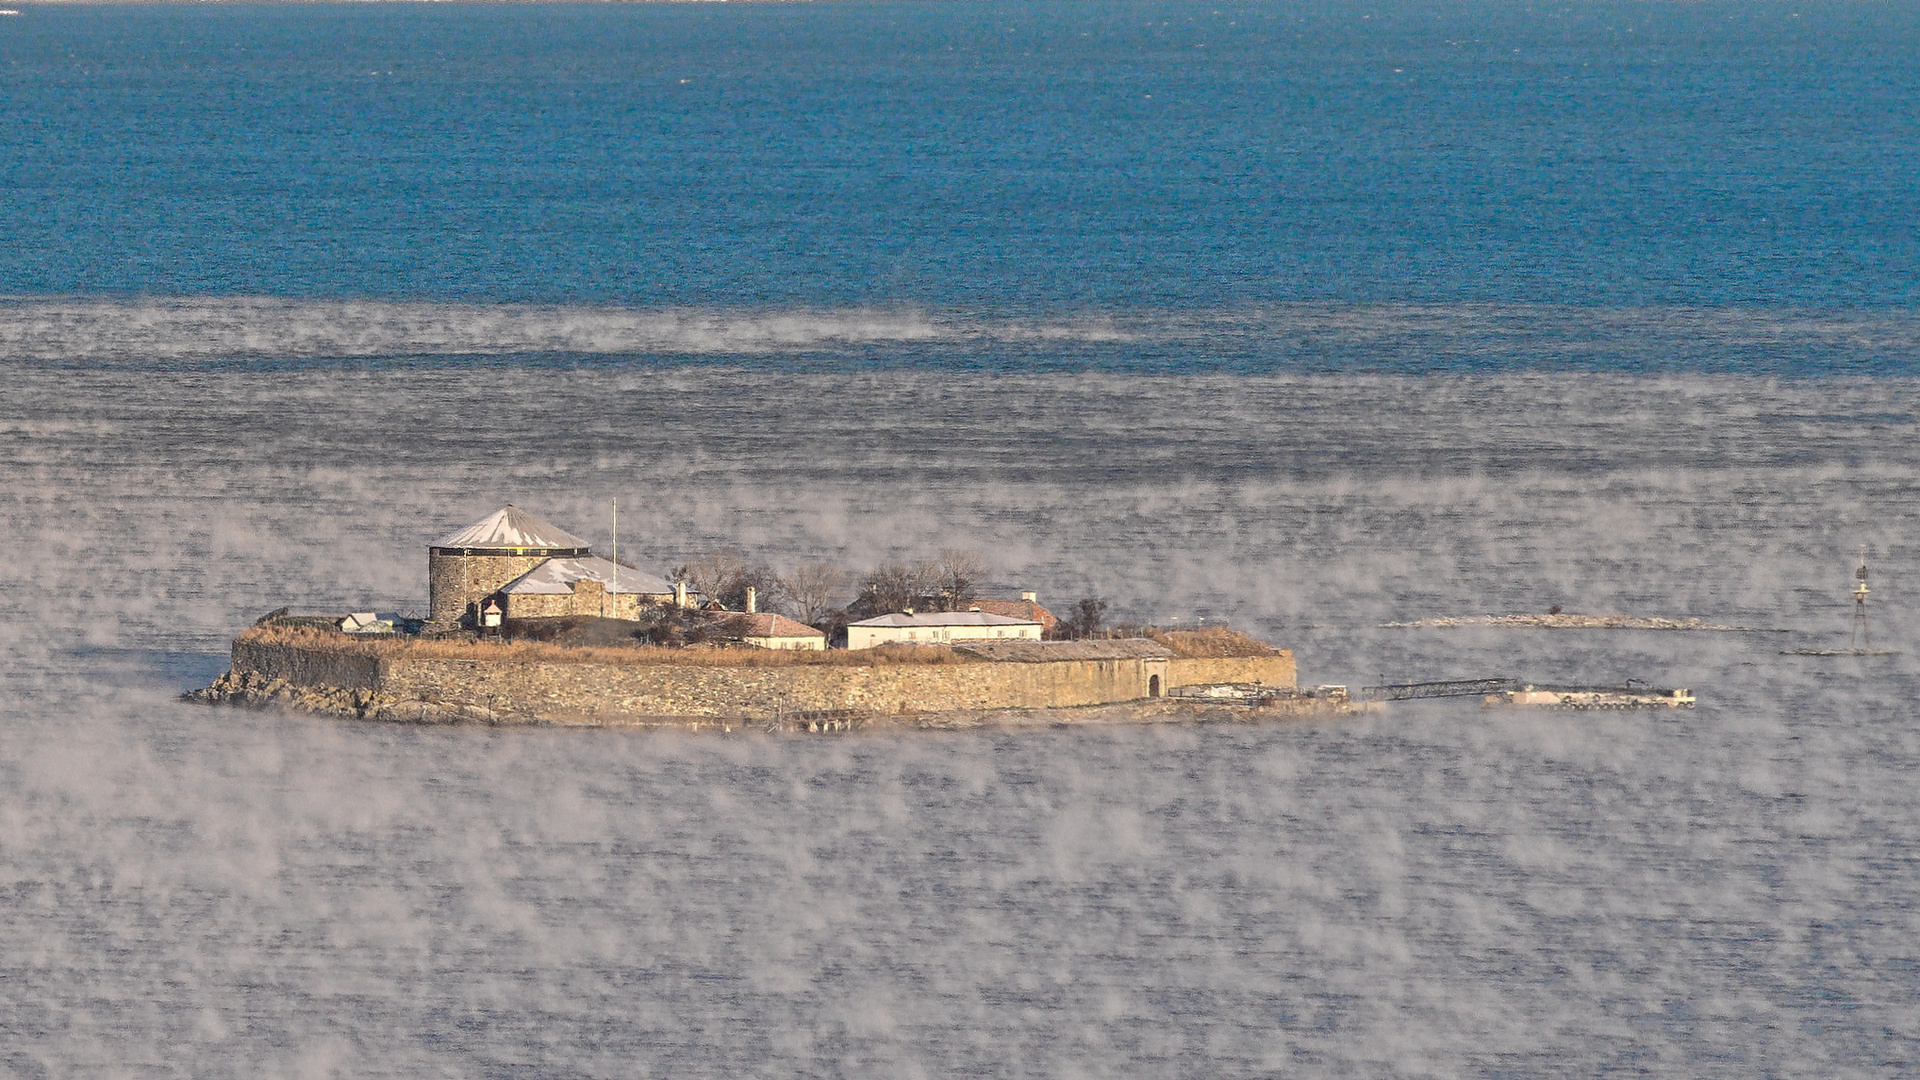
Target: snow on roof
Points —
{"points": [[556, 576], [944, 618], [512, 527]]}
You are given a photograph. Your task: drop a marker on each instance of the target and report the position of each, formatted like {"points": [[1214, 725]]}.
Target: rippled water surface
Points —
{"points": [[1433, 889]]}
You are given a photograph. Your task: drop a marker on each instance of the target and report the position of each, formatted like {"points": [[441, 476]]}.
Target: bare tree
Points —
{"points": [[893, 587], [957, 577], [816, 589], [1088, 618], [726, 575], [679, 627], [713, 572]]}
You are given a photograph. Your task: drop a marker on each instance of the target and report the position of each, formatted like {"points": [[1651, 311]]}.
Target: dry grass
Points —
{"points": [[1192, 644], [1210, 644], [625, 655]]}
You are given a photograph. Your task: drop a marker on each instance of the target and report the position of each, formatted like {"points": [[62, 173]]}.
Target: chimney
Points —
{"points": [[753, 599], [1030, 597], [679, 594]]}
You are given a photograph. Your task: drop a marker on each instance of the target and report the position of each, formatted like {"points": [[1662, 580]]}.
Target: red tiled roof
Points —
{"points": [[764, 624], [1017, 609]]}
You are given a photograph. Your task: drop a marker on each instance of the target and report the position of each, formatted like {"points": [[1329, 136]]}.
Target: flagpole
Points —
{"points": [[614, 588]]}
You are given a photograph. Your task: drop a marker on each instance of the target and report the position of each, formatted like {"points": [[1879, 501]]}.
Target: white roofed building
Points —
{"points": [[939, 628], [582, 586], [513, 548], [512, 530]]}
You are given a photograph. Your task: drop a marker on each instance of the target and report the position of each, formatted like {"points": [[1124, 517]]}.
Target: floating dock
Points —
{"points": [[1633, 696]]}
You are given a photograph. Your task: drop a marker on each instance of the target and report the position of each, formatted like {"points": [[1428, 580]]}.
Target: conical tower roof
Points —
{"points": [[512, 530]]}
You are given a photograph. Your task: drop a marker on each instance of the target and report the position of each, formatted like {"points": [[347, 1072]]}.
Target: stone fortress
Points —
{"points": [[530, 569], [512, 565]]}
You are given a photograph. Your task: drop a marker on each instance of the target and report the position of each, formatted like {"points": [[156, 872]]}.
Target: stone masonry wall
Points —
{"points": [[586, 691], [1266, 670], [763, 693], [588, 598], [307, 667], [454, 581]]}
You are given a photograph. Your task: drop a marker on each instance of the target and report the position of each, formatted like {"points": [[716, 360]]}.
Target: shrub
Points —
{"points": [[469, 647]]}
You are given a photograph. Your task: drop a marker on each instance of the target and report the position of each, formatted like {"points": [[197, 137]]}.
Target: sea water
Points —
{"points": [[1301, 319]]}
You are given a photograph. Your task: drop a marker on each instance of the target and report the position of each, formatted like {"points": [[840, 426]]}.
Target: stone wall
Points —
{"points": [[587, 598], [456, 582], [1267, 670], [764, 693], [308, 667], [567, 691]]}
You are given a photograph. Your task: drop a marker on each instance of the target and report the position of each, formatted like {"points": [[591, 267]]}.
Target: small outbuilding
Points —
{"points": [[1118, 669], [939, 628], [770, 631]]}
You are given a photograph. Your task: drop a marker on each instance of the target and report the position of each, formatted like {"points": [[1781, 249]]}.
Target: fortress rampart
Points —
{"points": [[513, 565], [338, 669], [1276, 670], [398, 686]]}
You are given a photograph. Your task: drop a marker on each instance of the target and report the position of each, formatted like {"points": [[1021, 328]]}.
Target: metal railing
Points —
{"points": [[1443, 688]]}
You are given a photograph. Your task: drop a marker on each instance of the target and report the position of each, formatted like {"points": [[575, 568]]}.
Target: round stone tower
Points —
{"points": [[466, 567]]}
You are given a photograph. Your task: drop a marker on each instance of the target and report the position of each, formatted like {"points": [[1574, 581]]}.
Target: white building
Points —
{"points": [[939, 628]]}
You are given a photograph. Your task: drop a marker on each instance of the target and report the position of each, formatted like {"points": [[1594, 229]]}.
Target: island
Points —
{"points": [[527, 626]]}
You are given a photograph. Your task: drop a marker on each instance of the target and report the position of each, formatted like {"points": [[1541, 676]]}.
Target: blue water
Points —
{"points": [[1137, 161]]}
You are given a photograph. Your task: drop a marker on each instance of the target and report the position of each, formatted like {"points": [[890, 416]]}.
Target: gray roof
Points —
{"points": [[944, 618], [556, 576], [1041, 652], [512, 527]]}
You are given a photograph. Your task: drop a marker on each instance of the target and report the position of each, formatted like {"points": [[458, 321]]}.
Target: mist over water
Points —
{"points": [[1305, 318], [1433, 890], [1290, 337]]}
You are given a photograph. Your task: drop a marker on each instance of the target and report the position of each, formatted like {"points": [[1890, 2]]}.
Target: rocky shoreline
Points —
{"points": [[1561, 621], [250, 690]]}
